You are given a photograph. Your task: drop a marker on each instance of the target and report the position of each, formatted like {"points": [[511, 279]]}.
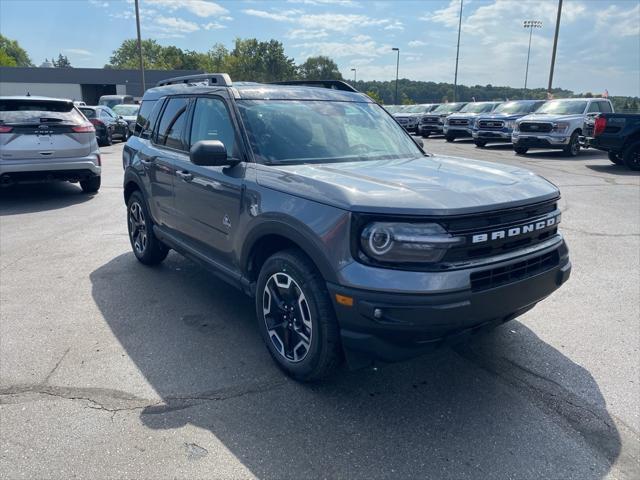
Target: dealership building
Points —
{"points": [[86, 84]]}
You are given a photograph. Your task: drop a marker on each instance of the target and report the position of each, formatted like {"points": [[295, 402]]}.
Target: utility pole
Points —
{"points": [[354, 74], [397, 50], [144, 87], [555, 46], [530, 24], [455, 79]]}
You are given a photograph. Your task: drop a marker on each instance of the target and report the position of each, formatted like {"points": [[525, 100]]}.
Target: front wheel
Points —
{"points": [[616, 158], [480, 143], [449, 138], [146, 246], [632, 156], [573, 148], [520, 150], [296, 317], [426, 135]]}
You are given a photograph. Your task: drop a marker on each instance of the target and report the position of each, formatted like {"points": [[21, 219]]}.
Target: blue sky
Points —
{"points": [[599, 44]]}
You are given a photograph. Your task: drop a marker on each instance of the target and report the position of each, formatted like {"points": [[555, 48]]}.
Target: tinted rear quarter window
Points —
{"points": [[38, 111]]}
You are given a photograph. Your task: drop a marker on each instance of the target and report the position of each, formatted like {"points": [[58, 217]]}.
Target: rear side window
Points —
{"points": [[211, 121], [88, 112], [38, 111], [605, 107], [171, 127]]}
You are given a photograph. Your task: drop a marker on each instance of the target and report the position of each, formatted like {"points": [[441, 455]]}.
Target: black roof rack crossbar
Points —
{"points": [[332, 84], [221, 79]]}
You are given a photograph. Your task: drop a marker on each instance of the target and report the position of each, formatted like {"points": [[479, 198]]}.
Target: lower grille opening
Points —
{"points": [[496, 277]]}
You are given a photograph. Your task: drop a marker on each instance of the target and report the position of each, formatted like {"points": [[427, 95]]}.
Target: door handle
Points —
{"points": [[186, 176]]}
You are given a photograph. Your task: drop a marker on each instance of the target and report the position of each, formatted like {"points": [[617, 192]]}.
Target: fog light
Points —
{"points": [[377, 313]]}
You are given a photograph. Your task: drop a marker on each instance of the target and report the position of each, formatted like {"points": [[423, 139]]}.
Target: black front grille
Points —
{"points": [[456, 121], [496, 277], [429, 119], [491, 124], [536, 127]]}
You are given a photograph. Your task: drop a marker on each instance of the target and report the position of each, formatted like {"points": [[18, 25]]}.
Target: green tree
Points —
{"points": [[126, 56], [319, 68], [375, 96], [258, 61], [61, 62], [12, 54]]}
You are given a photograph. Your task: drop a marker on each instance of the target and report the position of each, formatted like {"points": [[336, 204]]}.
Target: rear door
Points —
{"points": [[42, 129]]}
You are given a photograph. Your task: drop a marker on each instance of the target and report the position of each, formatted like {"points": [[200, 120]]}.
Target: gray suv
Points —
{"points": [[43, 139], [353, 242]]}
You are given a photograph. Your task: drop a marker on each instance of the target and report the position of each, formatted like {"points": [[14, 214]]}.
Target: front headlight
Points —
{"points": [[510, 124], [560, 127], [516, 127], [388, 242]]}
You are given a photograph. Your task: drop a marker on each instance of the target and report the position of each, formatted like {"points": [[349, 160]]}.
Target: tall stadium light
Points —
{"points": [[140, 47], [354, 74], [555, 46], [455, 78], [397, 50], [530, 24]]}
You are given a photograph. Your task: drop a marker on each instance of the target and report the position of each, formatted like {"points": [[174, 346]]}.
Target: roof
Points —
{"points": [[34, 97], [261, 91]]}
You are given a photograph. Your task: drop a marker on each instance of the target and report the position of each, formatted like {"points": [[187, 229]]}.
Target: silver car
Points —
{"points": [[47, 139]]}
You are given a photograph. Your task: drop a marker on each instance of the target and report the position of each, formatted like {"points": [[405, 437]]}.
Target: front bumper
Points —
{"points": [[30, 170], [430, 128], [492, 135], [457, 132], [390, 326], [540, 141]]}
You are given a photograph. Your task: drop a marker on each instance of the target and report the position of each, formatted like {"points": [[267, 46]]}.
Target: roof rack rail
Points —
{"points": [[221, 79], [332, 84]]}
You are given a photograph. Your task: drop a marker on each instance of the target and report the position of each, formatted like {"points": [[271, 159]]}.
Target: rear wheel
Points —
{"points": [[632, 156], [146, 246], [573, 148], [480, 143], [90, 185], [520, 150], [616, 157], [296, 316]]}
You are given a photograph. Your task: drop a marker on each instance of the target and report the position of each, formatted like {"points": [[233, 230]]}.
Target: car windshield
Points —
{"points": [[516, 107], [392, 108], [126, 110], [448, 108], [477, 108], [110, 102], [292, 131], [563, 107], [417, 109], [38, 111]]}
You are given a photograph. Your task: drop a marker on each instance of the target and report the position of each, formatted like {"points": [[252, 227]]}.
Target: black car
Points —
{"points": [[618, 134], [107, 123], [352, 241]]}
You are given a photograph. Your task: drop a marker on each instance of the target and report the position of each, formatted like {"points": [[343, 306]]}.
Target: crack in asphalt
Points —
{"points": [[598, 234]]}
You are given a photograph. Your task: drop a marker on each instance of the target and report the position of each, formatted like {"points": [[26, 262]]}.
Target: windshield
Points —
{"points": [[38, 111], [477, 108], [393, 108], [293, 131], [563, 107], [417, 109], [516, 107], [110, 102], [126, 110], [448, 108]]}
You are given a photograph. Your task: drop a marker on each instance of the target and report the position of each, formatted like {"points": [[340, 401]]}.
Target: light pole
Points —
{"points": [[140, 47], [455, 79], [530, 24], [397, 50], [354, 74], [555, 46]]}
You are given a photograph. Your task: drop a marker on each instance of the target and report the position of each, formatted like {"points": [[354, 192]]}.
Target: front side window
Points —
{"points": [[594, 107], [293, 131], [211, 121], [605, 107], [171, 127]]}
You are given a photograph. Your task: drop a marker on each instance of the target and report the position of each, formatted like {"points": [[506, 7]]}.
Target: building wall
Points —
{"points": [[59, 90]]}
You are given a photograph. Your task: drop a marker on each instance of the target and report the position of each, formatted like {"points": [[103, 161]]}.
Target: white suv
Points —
{"points": [[557, 124]]}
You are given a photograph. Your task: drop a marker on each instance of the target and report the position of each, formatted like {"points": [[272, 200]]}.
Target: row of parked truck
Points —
{"points": [[554, 124]]}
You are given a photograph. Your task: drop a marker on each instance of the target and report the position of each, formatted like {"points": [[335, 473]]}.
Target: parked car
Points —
{"points": [[113, 100], [394, 108], [129, 113], [107, 123], [47, 139], [78, 103], [352, 241], [557, 124], [496, 127], [433, 123], [618, 134], [460, 124], [409, 117]]}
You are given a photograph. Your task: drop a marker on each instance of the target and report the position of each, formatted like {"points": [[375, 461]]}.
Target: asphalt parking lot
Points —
{"points": [[109, 369]]}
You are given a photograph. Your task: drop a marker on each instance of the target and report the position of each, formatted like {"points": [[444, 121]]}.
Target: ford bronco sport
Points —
{"points": [[353, 241]]}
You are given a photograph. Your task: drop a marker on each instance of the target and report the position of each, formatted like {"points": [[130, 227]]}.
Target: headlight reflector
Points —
{"points": [[406, 242]]}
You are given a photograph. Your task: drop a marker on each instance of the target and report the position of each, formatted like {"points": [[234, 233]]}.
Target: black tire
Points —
{"points": [[632, 156], [145, 245], [305, 296], [426, 135], [91, 185], [616, 157], [480, 143], [573, 148], [520, 150], [108, 139], [449, 138]]}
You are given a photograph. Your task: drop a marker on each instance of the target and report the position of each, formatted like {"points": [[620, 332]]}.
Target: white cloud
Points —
{"points": [[627, 22], [302, 34], [213, 26], [341, 3], [99, 3], [201, 8], [417, 43], [176, 25], [283, 16], [361, 38], [78, 51], [394, 25]]}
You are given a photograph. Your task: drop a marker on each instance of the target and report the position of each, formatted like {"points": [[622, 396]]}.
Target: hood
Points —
{"points": [[543, 117], [426, 185], [464, 115], [502, 116]]}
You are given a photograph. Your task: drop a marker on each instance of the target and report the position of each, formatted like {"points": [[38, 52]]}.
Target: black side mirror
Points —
{"points": [[210, 153]]}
